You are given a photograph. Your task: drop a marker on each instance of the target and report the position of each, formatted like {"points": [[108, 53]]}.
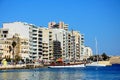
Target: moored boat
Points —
{"points": [[95, 64], [68, 66]]}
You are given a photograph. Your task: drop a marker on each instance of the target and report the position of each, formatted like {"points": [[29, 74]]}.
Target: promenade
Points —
{"points": [[20, 66]]}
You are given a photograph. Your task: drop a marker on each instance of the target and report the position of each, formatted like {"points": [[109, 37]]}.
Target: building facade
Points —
{"points": [[88, 52], [39, 43], [4, 48]]}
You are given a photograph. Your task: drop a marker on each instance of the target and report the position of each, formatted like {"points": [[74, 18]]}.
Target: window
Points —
{"points": [[5, 36], [5, 32]]}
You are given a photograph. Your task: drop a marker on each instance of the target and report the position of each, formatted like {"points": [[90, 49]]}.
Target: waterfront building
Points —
{"points": [[4, 48], [45, 44], [17, 27], [76, 43], [50, 38], [21, 48], [60, 36], [87, 52], [39, 43], [33, 42], [29, 32], [82, 53], [57, 49]]}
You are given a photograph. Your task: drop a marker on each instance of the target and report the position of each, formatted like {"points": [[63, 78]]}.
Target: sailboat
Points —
{"points": [[95, 64]]}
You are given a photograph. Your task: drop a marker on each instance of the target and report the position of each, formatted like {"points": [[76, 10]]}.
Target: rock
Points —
{"points": [[115, 60]]}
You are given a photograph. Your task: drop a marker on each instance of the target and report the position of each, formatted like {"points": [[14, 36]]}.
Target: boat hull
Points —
{"points": [[68, 66], [95, 64]]}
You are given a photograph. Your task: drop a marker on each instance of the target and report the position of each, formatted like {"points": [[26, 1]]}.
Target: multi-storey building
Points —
{"points": [[82, 47], [75, 44], [45, 47], [87, 52], [21, 47], [4, 48], [29, 32], [42, 43], [57, 49], [59, 35], [33, 42], [17, 27], [48, 39]]}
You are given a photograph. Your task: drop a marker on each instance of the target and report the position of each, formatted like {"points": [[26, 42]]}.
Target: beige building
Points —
{"points": [[4, 48], [21, 49], [22, 46], [76, 43], [76, 37], [60, 25], [46, 46]]}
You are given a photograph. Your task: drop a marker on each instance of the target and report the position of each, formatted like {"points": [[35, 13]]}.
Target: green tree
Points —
{"points": [[104, 56], [17, 58]]}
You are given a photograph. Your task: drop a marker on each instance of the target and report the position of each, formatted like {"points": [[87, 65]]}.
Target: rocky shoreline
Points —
{"points": [[115, 60]]}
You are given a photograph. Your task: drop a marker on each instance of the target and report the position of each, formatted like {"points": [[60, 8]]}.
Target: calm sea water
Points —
{"points": [[88, 73]]}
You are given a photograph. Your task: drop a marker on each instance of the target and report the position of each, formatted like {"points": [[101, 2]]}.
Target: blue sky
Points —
{"points": [[93, 18]]}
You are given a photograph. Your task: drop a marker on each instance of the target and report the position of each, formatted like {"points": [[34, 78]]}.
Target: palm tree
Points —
{"points": [[13, 45]]}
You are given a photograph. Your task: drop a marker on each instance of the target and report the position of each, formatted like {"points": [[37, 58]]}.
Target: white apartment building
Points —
{"points": [[87, 52], [82, 47], [17, 27]]}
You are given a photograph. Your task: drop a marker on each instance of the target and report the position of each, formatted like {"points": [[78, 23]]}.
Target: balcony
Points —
{"points": [[35, 47], [34, 39], [34, 55]]}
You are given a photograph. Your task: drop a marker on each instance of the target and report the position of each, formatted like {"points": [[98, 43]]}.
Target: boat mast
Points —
{"points": [[96, 49]]}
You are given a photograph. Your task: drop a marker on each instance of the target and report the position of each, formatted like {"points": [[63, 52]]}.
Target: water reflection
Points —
{"points": [[107, 73], [45, 74], [60, 75]]}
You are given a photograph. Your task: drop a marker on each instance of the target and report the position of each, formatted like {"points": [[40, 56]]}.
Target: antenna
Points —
{"points": [[96, 48]]}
